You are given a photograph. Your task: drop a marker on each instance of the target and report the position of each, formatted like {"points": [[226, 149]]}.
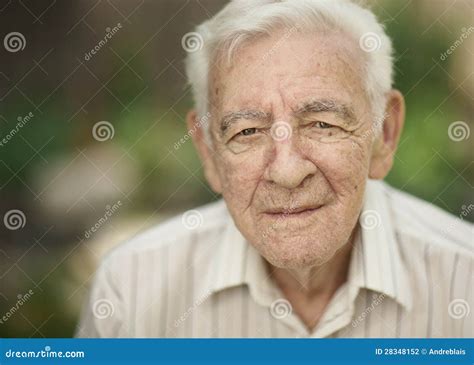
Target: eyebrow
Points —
{"points": [[342, 110], [231, 118]]}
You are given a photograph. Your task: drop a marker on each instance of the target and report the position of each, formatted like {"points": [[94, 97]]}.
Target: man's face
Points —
{"points": [[292, 135]]}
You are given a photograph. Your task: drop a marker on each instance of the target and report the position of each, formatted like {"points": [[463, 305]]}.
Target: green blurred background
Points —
{"points": [[63, 179]]}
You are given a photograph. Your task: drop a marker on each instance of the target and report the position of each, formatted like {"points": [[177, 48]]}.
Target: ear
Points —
{"points": [[385, 145], [205, 150]]}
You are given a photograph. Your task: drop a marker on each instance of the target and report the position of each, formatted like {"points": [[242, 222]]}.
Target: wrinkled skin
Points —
{"points": [[295, 192]]}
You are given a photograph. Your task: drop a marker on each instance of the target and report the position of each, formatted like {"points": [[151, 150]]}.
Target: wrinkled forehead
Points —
{"points": [[290, 67]]}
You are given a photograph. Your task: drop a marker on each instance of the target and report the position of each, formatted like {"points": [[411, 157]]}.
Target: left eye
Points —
{"points": [[323, 125]]}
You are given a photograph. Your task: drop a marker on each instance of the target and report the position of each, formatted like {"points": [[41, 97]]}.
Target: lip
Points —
{"points": [[299, 212]]}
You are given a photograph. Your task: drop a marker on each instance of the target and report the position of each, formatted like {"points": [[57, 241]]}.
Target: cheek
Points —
{"points": [[344, 164], [240, 176]]}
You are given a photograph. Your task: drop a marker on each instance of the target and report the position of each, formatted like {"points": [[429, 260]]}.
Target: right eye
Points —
{"points": [[247, 132]]}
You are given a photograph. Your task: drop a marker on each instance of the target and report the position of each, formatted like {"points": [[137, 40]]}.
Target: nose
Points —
{"points": [[288, 167]]}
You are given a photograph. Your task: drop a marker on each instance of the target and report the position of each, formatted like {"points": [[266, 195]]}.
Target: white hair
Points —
{"points": [[243, 20]]}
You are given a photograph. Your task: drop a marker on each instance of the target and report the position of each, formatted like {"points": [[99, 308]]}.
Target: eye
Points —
{"points": [[247, 132], [323, 125]]}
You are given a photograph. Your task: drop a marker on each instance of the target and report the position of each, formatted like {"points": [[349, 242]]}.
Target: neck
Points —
{"points": [[309, 290]]}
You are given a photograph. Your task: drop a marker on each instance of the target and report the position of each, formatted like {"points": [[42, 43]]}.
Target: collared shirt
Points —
{"points": [[410, 275]]}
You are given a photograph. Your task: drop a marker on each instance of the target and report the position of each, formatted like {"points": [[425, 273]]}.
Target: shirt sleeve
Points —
{"points": [[102, 313]]}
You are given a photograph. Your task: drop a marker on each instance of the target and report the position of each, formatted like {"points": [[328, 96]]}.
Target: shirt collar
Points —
{"points": [[228, 267], [238, 263], [375, 264]]}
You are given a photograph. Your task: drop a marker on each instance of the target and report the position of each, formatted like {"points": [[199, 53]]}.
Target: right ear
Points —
{"points": [[205, 150]]}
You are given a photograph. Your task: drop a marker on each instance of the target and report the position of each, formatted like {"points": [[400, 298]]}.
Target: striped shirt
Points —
{"points": [[410, 275]]}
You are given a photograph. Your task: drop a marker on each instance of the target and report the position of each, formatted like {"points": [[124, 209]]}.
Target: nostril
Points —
{"points": [[289, 169], [307, 180]]}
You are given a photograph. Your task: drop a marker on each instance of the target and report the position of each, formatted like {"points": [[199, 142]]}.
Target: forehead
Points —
{"points": [[290, 68]]}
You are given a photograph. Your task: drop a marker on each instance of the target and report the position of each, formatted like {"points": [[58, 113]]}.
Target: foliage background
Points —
{"points": [[55, 172]]}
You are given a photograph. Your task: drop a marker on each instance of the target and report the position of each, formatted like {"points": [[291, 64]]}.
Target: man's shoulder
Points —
{"points": [[198, 227], [425, 222]]}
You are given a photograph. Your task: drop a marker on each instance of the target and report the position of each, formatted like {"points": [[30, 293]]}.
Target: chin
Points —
{"points": [[296, 254]]}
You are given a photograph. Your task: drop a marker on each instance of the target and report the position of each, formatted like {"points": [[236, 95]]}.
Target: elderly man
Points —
{"points": [[296, 123]]}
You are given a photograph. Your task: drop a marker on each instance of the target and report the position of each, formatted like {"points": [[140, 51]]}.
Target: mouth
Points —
{"points": [[297, 212]]}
